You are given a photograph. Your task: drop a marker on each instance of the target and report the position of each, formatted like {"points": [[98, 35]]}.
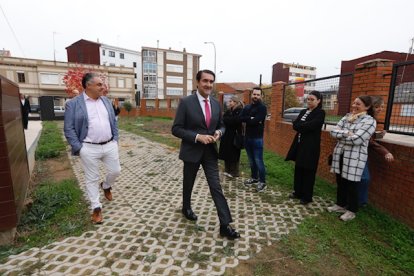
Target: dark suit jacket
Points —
{"points": [[189, 121], [25, 107], [305, 152]]}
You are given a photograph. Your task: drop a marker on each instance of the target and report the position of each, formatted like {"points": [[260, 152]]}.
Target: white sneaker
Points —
{"points": [[348, 216], [336, 208], [227, 174]]}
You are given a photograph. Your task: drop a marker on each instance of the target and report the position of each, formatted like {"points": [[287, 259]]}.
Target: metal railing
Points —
{"points": [[399, 117], [336, 91]]}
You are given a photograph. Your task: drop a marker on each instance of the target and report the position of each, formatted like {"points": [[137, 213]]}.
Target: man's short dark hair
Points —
{"points": [[87, 77], [199, 73], [257, 88]]}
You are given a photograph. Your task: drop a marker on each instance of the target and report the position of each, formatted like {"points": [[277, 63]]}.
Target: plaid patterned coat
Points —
{"points": [[354, 148]]}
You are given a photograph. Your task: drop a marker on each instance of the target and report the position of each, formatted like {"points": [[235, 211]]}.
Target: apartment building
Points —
{"points": [[168, 73], [37, 78], [295, 72], [89, 52]]}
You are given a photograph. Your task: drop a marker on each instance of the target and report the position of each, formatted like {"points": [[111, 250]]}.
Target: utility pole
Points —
{"points": [[410, 51], [54, 48]]}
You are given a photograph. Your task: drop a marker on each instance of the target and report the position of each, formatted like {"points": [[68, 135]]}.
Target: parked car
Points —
{"points": [[59, 110], [292, 113], [34, 108]]}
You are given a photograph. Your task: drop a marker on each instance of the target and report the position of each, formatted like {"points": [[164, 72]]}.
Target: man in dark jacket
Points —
{"points": [[198, 123], [254, 116], [25, 108]]}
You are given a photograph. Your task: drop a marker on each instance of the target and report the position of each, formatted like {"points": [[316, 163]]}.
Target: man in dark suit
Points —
{"points": [[198, 122], [25, 107]]}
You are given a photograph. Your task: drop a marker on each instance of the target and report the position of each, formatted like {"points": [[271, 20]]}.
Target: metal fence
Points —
{"points": [[336, 90], [400, 107]]}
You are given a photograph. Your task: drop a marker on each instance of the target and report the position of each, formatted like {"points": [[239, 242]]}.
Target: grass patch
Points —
{"points": [[154, 129], [58, 208], [50, 144], [374, 243]]}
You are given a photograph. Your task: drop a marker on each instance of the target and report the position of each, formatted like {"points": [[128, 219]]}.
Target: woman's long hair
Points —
{"points": [[367, 100]]}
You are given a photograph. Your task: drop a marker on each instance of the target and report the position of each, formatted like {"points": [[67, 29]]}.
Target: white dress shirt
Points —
{"points": [[99, 128]]}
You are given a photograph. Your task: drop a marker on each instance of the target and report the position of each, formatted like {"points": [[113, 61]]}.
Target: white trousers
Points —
{"points": [[90, 155]]}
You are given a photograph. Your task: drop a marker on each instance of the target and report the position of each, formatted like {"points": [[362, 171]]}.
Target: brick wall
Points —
{"points": [[392, 184]]}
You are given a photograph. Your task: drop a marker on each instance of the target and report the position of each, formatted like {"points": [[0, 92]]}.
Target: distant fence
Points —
{"points": [[400, 109], [294, 95]]}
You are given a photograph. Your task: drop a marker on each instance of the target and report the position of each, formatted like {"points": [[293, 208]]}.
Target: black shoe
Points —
{"points": [[189, 214], [229, 232], [293, 196], [304, 202]]}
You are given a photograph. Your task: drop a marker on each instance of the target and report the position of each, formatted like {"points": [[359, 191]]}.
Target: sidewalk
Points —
{"points": [[144, 232], [32, 135]]}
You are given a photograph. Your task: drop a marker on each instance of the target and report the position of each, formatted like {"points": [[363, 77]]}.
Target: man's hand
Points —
{"points": [[205, 139], [389, 157]]}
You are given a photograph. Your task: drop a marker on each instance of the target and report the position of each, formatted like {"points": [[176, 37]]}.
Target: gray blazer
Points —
{"points": [[189, 121], [76, 121]]}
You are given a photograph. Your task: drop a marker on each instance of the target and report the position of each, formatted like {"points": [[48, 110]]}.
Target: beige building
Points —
{"points": [[38, 78], [168, 74]]}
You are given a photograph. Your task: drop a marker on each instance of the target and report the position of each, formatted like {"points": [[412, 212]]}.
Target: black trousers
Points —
{"points": [[25, 120], [232, 167], [347, 193], [304, 180], [210, 165]]}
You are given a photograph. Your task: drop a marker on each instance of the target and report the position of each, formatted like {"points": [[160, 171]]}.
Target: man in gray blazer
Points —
{"points": [[198, 122], [91, 130]]}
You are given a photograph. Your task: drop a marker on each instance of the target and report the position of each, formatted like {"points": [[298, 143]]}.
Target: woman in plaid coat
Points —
{"points": [[350, 155]]}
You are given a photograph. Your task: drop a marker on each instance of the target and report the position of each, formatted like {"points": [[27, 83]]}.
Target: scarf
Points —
{"points": [[352, 117]]}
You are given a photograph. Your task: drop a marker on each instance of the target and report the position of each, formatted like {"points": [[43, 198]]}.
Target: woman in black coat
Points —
{"points": [[305, 148], [228, 151]]}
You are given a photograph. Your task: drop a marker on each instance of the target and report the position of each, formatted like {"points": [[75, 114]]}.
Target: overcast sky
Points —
{"points": [[250, 36]]}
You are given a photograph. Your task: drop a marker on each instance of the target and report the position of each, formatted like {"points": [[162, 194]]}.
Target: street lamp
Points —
{"points": [[209, 42]]}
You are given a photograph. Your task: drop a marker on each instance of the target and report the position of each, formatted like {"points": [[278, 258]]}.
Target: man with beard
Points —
{"points": [[254, 116]]}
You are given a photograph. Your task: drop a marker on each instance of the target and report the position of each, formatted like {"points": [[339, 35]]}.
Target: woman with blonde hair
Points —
{"points": [[230, 145]]}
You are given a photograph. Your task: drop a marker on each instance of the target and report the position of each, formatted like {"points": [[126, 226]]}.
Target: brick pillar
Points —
{"points": [[168, 104], [373, 78], [276, 107], [157, 104], [143, 107]]}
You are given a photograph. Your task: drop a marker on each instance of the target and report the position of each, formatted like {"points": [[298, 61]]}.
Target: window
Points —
{"points": [[103, 52], [47, 78], [111, 53], [174, 68], [148, 55], [407, 110], [174, 79], [136, 86], [134, 64], [111, 64], [121, 83], [20, 77], [175, 56], [121, 55], [174, 91], [135, 75]]}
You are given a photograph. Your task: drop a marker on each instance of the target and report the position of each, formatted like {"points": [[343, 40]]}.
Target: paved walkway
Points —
{"points": [[144, 232]]}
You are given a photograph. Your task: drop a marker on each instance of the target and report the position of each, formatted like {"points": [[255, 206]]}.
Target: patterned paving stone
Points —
{"points": [[144, 232]]}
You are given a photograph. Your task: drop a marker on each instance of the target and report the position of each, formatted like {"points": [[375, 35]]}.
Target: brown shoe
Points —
{"points": [[97, 216], [107, 192]]}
